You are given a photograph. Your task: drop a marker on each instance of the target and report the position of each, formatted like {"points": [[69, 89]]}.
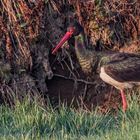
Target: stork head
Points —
{"points": [[73, 30]]}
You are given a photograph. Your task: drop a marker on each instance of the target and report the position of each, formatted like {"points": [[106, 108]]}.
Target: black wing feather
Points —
{"points": [[124, 67]]}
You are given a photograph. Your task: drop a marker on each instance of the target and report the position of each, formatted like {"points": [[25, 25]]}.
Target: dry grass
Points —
{"points": [[109, 25], [20, 23]]}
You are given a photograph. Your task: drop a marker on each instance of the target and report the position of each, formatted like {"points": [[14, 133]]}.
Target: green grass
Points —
{"points": [[31, 121]]}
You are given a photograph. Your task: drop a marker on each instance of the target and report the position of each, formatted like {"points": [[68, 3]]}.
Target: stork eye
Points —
{"points": [[72, 29]]}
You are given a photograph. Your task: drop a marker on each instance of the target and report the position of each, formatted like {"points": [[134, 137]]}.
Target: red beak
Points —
{"points": [[66, 37]]}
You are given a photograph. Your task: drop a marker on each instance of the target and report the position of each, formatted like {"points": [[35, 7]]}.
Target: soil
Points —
{"points": [[107, 35], [86, 92]]}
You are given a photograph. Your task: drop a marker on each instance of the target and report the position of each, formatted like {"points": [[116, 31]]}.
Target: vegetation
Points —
{"points": [[28, 30], [33, 121]]}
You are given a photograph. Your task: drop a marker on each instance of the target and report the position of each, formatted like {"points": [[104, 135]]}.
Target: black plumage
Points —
{"points": [[126, 67], [121, 70]]}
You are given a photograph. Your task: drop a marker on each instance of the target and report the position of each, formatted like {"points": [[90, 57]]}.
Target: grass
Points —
{"points": [[32, 121]]}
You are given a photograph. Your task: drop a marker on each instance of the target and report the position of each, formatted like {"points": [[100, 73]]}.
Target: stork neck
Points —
{"points": [[80, 47]]}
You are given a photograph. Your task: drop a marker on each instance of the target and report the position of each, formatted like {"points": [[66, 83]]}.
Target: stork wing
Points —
{"points": [[127, 69]]}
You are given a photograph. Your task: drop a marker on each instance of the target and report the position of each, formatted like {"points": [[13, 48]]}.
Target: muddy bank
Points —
{"points": [[29, 31]]}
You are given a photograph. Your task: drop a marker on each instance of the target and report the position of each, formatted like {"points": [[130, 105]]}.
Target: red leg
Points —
{"points": [[124, 102]]}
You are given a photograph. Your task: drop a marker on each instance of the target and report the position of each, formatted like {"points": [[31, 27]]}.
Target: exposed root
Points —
{"points": [[73, 79]]}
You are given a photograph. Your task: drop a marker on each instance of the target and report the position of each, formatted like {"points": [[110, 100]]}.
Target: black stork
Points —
{"points": [[121, 70]]}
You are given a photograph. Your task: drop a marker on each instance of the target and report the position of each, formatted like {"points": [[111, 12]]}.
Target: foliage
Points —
{"points": [[33, 121], [23, 25]]}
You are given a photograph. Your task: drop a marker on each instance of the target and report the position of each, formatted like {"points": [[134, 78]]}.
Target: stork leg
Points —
{"points": [[124, 102]]}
